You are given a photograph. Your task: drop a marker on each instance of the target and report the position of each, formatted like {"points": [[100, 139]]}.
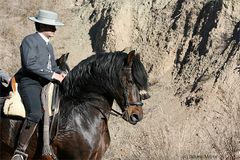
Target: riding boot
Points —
{"points": [[26, 133]]}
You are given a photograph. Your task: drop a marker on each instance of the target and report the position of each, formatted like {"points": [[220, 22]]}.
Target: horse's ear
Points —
{"points": [[66, 56], [63, 58], [131, 54]]}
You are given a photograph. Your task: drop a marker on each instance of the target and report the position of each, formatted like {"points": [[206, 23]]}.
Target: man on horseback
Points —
{"points": [[38, 69]]}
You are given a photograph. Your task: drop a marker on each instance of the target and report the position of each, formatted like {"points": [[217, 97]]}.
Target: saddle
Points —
{"points": [[13, 105]]}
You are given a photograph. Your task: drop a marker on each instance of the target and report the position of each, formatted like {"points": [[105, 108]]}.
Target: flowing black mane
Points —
{"points": [[102, 70]]}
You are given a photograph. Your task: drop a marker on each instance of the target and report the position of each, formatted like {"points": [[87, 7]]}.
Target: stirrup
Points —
{"points": [[19, 155]]}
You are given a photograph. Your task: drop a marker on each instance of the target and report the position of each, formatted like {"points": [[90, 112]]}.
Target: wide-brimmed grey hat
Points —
{"points": [[47, 17]]}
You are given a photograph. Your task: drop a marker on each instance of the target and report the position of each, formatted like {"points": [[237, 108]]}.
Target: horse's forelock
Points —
{"points": [[139, 74]]}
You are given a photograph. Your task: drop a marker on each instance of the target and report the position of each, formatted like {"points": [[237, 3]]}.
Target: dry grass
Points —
{"points": [[224, 132]]}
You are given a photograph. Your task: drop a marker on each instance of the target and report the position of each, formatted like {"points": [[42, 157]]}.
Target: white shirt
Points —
{"points": [[44, 38], [49, 65]]}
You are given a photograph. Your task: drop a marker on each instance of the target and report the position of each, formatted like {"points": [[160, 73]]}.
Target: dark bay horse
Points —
{"points": [[87, 95]]}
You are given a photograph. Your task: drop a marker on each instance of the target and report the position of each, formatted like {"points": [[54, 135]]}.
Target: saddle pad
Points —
{"points": [[13, 105]]}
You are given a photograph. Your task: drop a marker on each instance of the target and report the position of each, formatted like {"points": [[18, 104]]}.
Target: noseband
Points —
{"points": [[127, 103]]}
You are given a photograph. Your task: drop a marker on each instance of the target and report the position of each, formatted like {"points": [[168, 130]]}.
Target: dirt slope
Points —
{"points": [[192, 49]]}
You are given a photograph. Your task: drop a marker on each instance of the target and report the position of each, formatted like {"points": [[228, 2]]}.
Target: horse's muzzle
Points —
{"points": [[133, 114]]}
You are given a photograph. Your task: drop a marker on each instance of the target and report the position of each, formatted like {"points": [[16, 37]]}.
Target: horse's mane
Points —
{"points": [[102, 69]]}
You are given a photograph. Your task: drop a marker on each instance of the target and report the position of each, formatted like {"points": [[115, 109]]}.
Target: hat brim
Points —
{"points": [[56, 23]]}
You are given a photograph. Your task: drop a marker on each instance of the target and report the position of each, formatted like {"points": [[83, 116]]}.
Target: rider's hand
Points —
{"points": [[63, 74], [58, 77]]}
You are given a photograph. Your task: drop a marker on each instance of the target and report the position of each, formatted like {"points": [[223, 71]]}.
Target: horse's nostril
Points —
{"points": [[134, 118]]}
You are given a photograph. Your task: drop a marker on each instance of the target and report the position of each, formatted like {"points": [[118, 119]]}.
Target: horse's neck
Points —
{"points": [[93, 100], [104, 101], [85, 110]]}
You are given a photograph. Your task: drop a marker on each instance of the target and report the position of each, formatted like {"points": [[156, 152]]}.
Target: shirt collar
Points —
{"points": [[44, 38]]}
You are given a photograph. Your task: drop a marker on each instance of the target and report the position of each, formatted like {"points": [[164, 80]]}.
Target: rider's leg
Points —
{"points": [[30, 91], [26, 133]]}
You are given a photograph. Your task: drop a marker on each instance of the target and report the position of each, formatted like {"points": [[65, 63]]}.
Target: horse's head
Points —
{"points": [[117, 75], [135, 88], [62, 62]]}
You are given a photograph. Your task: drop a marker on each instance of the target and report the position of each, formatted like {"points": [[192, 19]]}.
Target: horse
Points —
{"points": [[87, 96]]}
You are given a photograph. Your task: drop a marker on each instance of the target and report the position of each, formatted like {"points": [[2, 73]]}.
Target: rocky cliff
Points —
{"points": [[191, 49]]}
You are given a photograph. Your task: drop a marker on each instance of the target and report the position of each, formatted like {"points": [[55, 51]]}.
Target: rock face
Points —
{"points": [[191, 49]]}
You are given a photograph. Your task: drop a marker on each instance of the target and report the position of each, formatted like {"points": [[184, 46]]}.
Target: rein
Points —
{"points": [[115, 113], [118, 114]]}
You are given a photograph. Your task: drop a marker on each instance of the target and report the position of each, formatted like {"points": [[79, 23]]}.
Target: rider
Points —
{"points": [[38, 69]]}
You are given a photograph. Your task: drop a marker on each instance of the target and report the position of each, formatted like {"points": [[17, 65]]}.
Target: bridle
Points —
{"points": [[128, 70], [127, 104]]}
